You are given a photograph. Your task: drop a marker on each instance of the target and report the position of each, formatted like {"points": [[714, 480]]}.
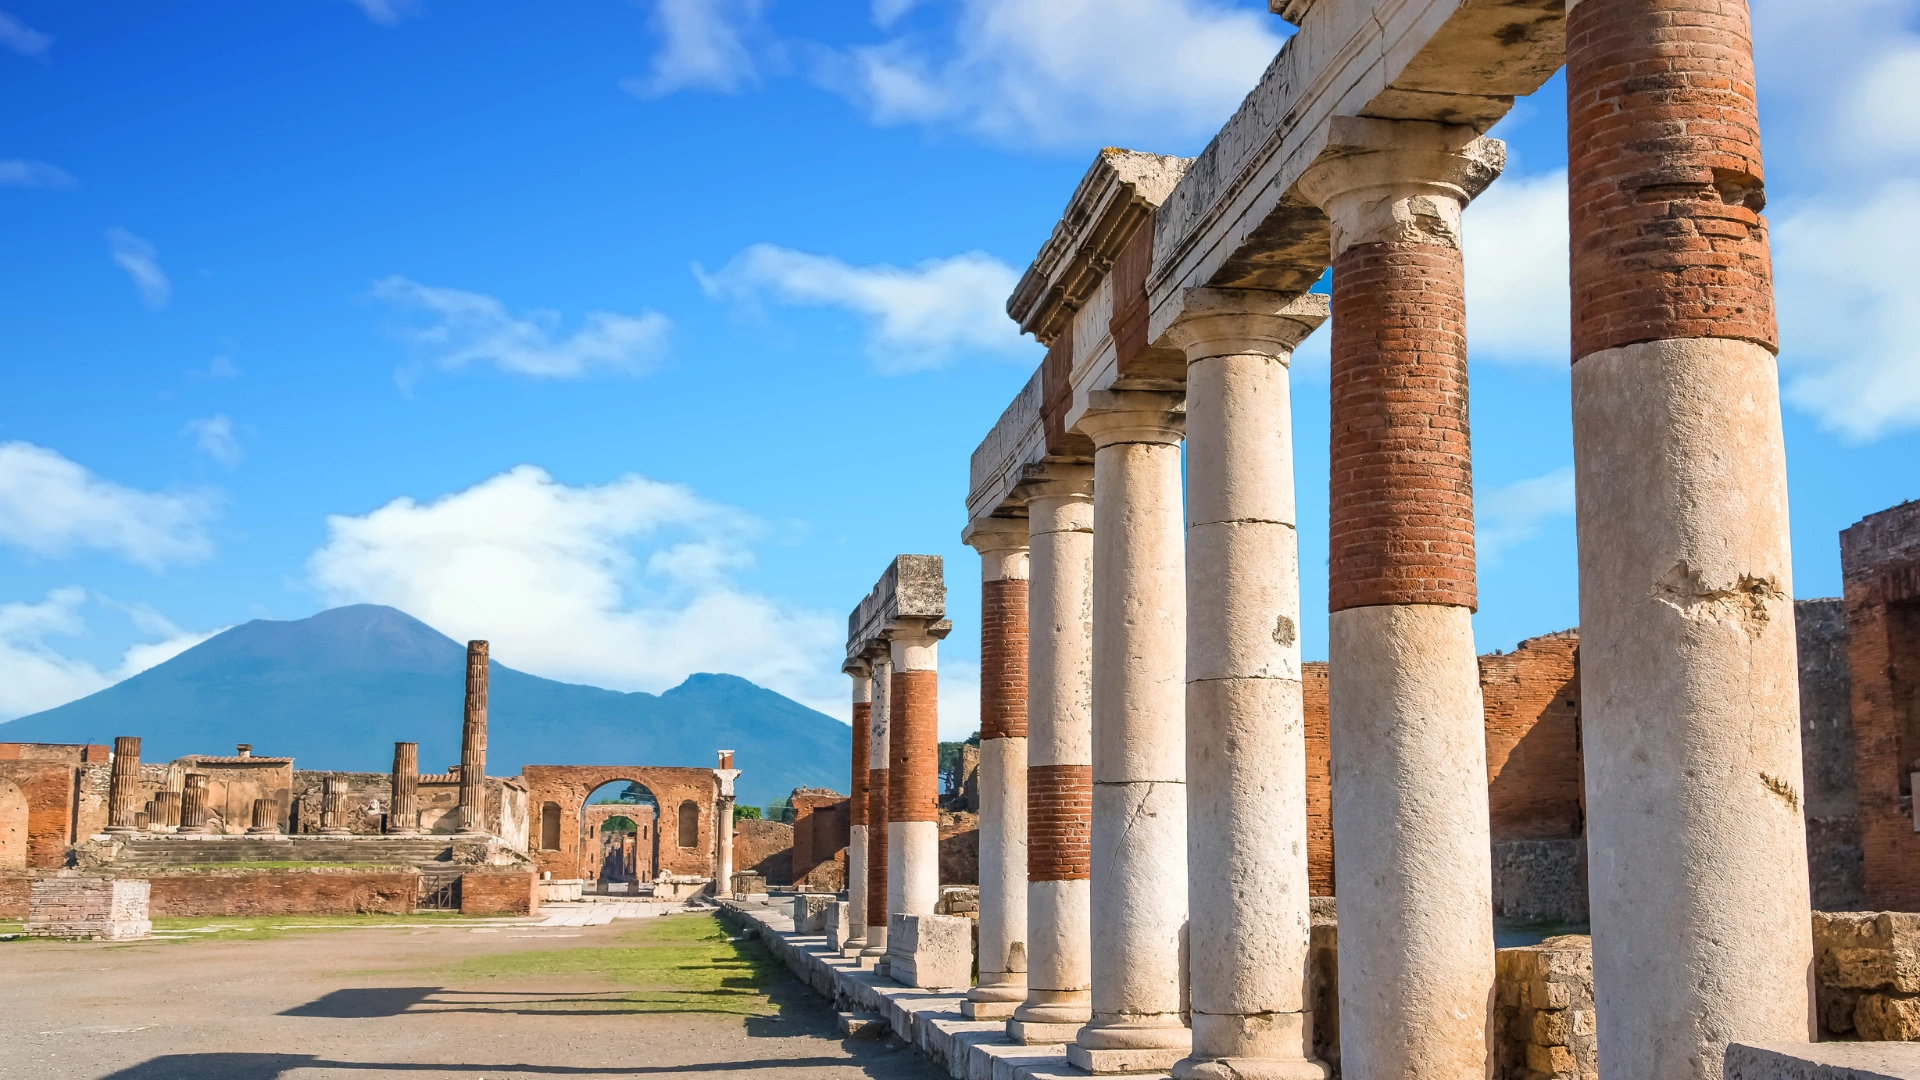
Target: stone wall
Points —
{"points": [[1543, 1011], [1831, 800], [500, 894], [959, 848], [1880, 570], [1540, 881], [319, 891], [234, 782], [1868, 969], [673, 788], [819, 839], [47, 803], [764, 848], [71, 906]]}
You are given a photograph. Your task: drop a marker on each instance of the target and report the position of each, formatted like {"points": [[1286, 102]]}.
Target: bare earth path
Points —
{"points": [[662, 997]]}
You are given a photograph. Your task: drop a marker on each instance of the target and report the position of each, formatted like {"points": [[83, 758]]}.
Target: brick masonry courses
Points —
{"points": [[515, 893], [49, 800], [1003, 651], [1880, 568], [567, 787]]}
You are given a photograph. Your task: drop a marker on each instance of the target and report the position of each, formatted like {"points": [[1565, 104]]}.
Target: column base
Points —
{"points": [[120, 830], [330, 833], [1241, 1068], [988, 1010], [1122, 1061], [931, 951], [1036, 1033], [268, 830], [403, 832]]}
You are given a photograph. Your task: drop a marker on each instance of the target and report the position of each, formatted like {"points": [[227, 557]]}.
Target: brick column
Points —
{"points": [[1688, 662], [1059, 757], [880, 854], [1139, 871], [193, 804], [123, 791], [473, 743], [1246, 724], [913, 771], [1414, 873], [1002, 982], [403, 816], [861, 671]]}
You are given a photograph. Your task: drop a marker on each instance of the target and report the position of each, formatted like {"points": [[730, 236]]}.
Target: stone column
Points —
{"points": [[1139, 878], [1002, 981], [166, 811], [1059, 758], [473, 743], [723, 825], [1698, 878], [123, 792], [333, 807], [880, 853], [861, 672], [1246, 744], [403, 817], [266, 818], [913, 771], [1414, 873], [193, 804]]}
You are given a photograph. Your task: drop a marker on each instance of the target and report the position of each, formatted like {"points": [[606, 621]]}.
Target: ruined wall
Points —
{"points": [[328, 891], [568, 786], [1831, 800], [593, 845], [234, 782], [48, 801], [764, 848], [1880, 570], [516, 893], [959, 848], [363, 806], [819, 839]]}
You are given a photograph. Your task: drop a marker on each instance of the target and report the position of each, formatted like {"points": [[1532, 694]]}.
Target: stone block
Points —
{"points": [[1125, 1061], [1823, 1061], [1887, 1018], [1038, 1035], [838, 928], [810, 912], [930, 950], [95, 908], [862, 1025]]}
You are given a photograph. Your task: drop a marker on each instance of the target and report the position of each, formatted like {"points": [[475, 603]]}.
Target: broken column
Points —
{"points": [[123, 792], [1690, 713], [266, 818], [723, 777], [333, 808], [861, 672], [1139, 873], [193, 804], [1245, 741], [1059, 758], [473, 743], [403, 815], [880, 854], [1414, 873], [1001, 985], [165, 815]]}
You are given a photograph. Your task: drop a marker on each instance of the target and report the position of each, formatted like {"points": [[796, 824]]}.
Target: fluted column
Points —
{"points": [[403, 817], [861, 672], [333, 808], [473, 743], [1002, 981], [1059, 758], [881, 855], [193, 804], [123, 792], [1246, 736], [1139, 878], [1688, 665], [165, 814], [913, 770], [724, 777], [266, 818], [1414, 873]]}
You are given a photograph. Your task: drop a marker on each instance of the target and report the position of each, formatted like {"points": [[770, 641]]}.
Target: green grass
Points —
{"points": [[286, 864], [265, 927], [670, 964]]}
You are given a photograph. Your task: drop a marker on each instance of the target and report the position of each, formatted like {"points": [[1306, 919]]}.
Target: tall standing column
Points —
{"points": [[1246, 735], [123, 791], [403, 816], [880, 854], [1406, 728], [193, 804], [724, 776], [1139, 879], [1059, 759], [473, 743], [1002, 982], [1688, 671], [861, 672], [913, 770]]}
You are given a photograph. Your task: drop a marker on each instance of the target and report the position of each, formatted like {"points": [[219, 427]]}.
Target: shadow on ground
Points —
{"points": [[273, 1066]]}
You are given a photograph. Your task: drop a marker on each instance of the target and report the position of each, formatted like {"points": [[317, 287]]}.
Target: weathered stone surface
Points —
{"points": [[76, 906], [810, 912], [931, 950], [1822, 1061]]}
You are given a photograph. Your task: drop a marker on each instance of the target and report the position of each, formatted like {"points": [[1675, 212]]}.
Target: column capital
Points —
{"points": [[1400, 181], [1134, 416], [1054, 479], [995, 535], [1235, 322], [859, 667]]}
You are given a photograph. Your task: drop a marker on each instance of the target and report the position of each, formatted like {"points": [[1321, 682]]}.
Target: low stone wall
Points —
{"points": [[1868, 967], [499, 894], [94, 908], [1540, 881], [1543, 1011]]}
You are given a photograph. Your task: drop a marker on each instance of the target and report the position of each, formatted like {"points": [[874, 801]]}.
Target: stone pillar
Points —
{"points": [[1698, 879], [333, 809], [123, 792], [1139, 878], [1246, 744], [1059, 758], [880, 854], [193, 804], [266, 818], [403, 817], [473, 743], [723, 825], [1414, 872], [1002, 981], [913, 771], [861, 671], [166, 811]]}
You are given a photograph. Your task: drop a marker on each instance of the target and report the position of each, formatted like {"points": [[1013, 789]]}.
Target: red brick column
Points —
{"points": [[1059, 822], [1002, 543], [913, 774], [1688, 661]]}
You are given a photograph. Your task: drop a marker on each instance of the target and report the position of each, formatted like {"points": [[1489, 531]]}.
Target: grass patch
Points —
{"points": [[670, 964], [286, 864], [265, 927]]}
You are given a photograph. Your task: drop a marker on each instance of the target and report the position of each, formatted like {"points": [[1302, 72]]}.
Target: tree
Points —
{"points": [[950, 763], [745, 813]]}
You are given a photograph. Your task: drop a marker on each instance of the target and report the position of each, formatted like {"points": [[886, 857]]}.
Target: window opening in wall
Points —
{"points": [[689, 824], [550, 827]]}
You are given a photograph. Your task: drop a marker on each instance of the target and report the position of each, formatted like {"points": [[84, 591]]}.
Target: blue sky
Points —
{"points": [[637, 337]]}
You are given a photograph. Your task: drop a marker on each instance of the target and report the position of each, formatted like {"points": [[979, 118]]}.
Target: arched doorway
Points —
{"points": [[13, 826], [619, 835], [572, 788]]}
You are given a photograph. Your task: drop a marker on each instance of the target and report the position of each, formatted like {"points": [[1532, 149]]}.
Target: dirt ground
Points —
{"points": [[664, 997]]}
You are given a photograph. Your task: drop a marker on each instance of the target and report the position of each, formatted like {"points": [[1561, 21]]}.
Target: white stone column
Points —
{"points": [[883, 857], [1002, 980], [861, 672], [1059, 758], [1139, 880], [1246, 747], [723, 824]]}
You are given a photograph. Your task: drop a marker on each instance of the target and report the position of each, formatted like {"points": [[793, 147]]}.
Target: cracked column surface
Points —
{"points": [[1689, 704], [881, 856], [473, 742], [1414, 867], [123, 789], [1002, 982], [1059, 757], [861, 672], [1246, 737], [1139, 878], [913, 770], [403, 811]]}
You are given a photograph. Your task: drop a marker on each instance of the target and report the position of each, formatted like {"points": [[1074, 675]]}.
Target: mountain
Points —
{"points": [[336, 691]]}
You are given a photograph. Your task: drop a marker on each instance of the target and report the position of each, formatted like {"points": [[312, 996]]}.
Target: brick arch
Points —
{"points": [[569, 785]]}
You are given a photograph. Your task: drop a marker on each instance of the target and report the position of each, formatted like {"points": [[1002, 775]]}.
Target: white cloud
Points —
{"points": [[22, 38], [386, 12], [35, 676], [1512, 514], [1515, 241], [52, 506], [626, 585], [704, 46], [919, 315], [216, 437], [142, 263], [887, 12], [16, 172], [470, 328]]}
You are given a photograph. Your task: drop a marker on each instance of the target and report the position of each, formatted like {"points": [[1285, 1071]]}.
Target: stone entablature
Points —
{"points": [[913, 587]]}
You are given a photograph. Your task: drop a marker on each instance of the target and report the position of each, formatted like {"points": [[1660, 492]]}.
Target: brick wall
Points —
{"points": [[88, 907], [284, 892], [515, 893], [765, 848], [42, 804], [1880, 570], [567, 787], [1313, 678], [819, 832]]}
